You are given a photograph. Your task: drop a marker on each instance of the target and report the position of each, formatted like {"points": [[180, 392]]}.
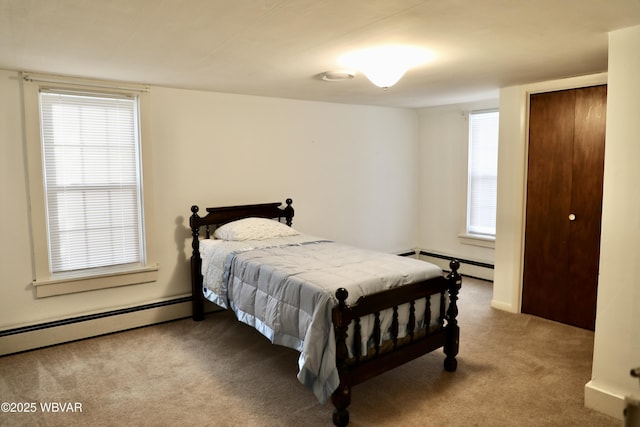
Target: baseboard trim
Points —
{"points": [[471, 268], [503, 306], [601, 400], [72, 329]]}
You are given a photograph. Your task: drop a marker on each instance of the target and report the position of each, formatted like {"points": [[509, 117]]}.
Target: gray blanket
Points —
{"points": [[287, 293]]}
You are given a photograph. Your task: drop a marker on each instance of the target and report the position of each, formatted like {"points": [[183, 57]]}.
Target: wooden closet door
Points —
{"points": [[551, 123], [565, 168], [586, 205]]}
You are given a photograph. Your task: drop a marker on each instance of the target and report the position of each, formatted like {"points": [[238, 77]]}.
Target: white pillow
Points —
{"points": [[253, 229]]}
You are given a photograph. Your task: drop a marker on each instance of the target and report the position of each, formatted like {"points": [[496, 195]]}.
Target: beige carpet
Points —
{"points": [[513, 370]]}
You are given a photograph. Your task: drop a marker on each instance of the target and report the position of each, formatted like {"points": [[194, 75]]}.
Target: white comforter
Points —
{"points": [[285, 288]]}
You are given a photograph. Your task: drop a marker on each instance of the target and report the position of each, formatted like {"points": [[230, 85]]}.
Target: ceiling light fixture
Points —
{"points": [[338, 75], [384, 66]]}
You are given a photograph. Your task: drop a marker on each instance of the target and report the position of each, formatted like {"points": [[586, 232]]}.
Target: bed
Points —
{"points": [[351, 313]]}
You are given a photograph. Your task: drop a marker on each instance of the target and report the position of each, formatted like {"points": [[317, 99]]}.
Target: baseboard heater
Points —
{"points": [[45, 334], [460, 260], [88, 317], [408, 253], [470, 268]]}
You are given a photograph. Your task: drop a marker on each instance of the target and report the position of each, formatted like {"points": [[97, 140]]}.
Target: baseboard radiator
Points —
{"points": [[45, 334], [471, 268]]}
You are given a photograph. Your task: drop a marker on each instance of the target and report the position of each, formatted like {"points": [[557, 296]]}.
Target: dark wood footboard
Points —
{"points": [[365, 363]]}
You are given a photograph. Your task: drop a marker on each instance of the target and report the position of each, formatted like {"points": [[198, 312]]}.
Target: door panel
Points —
{"points": [[565, 170], [586, 204], [548, 200]]}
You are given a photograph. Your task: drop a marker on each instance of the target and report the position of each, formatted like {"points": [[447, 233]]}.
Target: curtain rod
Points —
{"points": [[27, 77]]}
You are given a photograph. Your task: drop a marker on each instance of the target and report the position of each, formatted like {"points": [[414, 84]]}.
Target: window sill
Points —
{"points": [[70, 285], [477, 240]]}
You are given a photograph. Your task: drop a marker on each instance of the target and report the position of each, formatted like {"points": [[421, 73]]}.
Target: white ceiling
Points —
{"points": [[278, 47]]}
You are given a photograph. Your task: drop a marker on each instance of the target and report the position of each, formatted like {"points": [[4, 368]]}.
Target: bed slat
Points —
{"points": [[357, 340], [411, 324], [394, 327], [376, 332]]}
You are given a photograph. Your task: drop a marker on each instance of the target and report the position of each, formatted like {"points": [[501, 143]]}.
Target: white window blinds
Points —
{"points": [[483, 173], [92, 180]]}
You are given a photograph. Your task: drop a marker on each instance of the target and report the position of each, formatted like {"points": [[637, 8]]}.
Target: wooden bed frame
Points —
{"points": [[391, 353]]}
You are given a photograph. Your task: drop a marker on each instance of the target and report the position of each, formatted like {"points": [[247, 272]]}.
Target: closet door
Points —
{"points": [[564, 205]]}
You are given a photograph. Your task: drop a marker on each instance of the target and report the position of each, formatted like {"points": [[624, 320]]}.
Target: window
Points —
{"points": [[482, 174], [86, 172], [92, 189]]}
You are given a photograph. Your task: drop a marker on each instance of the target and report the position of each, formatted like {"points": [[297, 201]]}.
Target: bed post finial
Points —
{"points": [[454, 264], [288, 212], [342, 294]]}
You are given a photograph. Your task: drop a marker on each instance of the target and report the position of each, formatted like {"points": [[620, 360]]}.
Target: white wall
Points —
{"points": [[351, 171], [617, 336], [442, 160]]}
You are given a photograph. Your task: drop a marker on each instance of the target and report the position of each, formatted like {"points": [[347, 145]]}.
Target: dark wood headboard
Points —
{"points": [[219, 216], [216, 217]]}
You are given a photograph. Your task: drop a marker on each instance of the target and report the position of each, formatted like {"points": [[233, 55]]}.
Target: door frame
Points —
{"points": [[513, 151]]}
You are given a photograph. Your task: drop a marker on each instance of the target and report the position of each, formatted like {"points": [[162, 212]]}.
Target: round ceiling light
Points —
{"points": [[385, 65]]}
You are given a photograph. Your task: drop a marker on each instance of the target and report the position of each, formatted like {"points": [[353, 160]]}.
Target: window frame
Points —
{"points": [[467, 237], [45, 283]]}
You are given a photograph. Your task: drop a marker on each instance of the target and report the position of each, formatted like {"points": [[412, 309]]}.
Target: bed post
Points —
{"points": [[197, 298], [288, 212], [341, 397], [452, 341]]}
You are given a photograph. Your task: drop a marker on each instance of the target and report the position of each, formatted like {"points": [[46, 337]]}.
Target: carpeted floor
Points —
{"points": [[513, 370]]}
